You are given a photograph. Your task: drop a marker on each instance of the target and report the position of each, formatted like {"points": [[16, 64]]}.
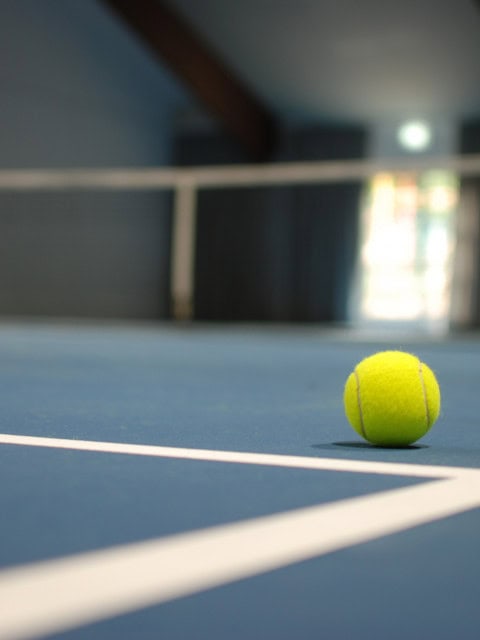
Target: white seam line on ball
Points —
{"points": [[422, 382], [359, 402]]}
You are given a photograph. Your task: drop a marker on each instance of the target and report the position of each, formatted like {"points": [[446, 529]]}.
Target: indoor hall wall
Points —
{"points": [[78, 91], [465, 303], [276, 254]]}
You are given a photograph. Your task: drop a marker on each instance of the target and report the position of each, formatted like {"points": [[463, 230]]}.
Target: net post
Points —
{"points": [[182, 284]]}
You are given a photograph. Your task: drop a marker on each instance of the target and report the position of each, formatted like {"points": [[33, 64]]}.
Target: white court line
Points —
{"points": [[52, 596], [240, 457]]}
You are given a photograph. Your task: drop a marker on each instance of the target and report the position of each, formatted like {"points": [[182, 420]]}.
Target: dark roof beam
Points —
{"points": [[224, 95]]}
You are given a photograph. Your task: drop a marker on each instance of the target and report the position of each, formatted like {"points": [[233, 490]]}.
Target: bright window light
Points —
{"points": [[406, 250], [414, 136]]}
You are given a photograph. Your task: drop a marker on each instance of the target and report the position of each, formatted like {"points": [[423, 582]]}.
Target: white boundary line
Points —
{"points": [[51, 596], [240, 457]]}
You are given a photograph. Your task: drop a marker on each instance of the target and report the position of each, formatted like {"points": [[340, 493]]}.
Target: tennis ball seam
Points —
{"points": [[359, 403], [424, 390]]}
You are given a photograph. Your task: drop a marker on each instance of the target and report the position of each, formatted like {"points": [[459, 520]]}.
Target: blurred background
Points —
{"points": [[191, 83]]}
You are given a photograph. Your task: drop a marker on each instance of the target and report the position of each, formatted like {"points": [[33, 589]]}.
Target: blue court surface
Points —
{"points": [[202, 482]]}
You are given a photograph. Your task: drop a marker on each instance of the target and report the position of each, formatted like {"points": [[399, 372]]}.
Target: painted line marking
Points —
{"points": [[52, 596], [239, 457]]}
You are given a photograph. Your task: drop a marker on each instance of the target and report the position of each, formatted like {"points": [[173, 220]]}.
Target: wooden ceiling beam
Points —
{"points": [[170, 37]]}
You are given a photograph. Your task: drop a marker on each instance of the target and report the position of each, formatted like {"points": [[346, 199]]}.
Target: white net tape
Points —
{"points": [[228, 176]]}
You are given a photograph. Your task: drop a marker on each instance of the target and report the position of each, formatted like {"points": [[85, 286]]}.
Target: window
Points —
{"points": [[407, 244]]}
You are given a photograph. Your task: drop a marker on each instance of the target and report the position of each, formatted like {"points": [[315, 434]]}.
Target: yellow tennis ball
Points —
{"points": [[392, 398]]}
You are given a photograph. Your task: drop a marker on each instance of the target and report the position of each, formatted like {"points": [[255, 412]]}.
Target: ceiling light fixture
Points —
{"points": [[414, 135]]}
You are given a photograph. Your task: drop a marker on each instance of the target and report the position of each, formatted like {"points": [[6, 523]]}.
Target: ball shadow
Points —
{"points": [[365, 445]]}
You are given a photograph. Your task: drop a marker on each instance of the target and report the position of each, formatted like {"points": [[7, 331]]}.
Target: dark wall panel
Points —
{"points": [[468, 218], [281, 254], [470, 136]]}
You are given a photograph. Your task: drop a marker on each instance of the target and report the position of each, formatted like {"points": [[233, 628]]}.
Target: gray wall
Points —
{"points": [[465, 312], [286, 253], [76, 89]]}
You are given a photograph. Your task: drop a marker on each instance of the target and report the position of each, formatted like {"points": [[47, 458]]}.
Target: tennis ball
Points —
{"points": [[392, 398]]}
